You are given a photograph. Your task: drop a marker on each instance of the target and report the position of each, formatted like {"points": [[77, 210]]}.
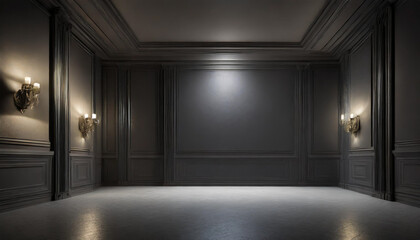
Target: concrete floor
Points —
{"points": [[214, 213]]}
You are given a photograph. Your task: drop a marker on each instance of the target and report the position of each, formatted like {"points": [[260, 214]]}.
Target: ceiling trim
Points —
{"points": [[109, 7], [219, 45], [123, 44], [323, 22]]}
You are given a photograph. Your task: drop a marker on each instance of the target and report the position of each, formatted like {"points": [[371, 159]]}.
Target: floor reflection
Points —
{"points": [[90, 225], [349, 228]]}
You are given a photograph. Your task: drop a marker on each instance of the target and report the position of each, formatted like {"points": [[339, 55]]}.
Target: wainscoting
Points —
{"points": [[407, 129], [25, 177], [407, 172], [81, 172]]}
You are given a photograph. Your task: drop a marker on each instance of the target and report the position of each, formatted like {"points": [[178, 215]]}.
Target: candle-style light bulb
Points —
{"points": [[37, 85], [27, 80], [86, 115], [352, 115], [342, 117], [93, 116]]}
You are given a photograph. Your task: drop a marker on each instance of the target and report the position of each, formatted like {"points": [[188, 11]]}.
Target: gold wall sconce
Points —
{"points": [[87, 124], [27, 96], [352, 125]]}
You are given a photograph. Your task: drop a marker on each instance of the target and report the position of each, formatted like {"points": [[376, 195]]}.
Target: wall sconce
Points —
{"points": [[87, 124], [352, 125], [27, 96]]}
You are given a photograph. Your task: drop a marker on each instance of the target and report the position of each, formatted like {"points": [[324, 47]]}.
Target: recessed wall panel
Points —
{"points": [[80, 92], [361, 94], [236, 110]]}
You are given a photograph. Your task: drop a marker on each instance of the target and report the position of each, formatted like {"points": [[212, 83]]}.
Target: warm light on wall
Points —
{"points": [[27, 96], [352, 125], [87, 124]]}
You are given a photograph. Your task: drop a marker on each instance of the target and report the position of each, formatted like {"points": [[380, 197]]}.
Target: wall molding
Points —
{"points": [[24, 142], [59, 105], [35, 164]]}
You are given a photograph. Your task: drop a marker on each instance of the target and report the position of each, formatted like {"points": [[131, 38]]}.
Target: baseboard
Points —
{"points": [[409, 199], [362, 190], [23, 201], [82, 190]]}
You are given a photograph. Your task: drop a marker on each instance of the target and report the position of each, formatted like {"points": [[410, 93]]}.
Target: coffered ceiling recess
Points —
{"points": [[219, 20], [234, 29]]}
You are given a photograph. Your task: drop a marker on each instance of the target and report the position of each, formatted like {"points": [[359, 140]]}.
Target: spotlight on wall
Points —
{"points": [[87, 124], [351, 125], [27, 96]]}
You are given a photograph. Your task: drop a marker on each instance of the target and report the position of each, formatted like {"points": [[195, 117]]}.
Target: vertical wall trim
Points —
{"points": [[123, 76], [389, 86], [385, 108], [378, 106], [303, 120], [59, 114], [168, 83], [345, 108]]}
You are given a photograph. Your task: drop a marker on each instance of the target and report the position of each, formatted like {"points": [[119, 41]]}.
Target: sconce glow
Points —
{"points": [[352, 125], [27, 96], [87, 124]]}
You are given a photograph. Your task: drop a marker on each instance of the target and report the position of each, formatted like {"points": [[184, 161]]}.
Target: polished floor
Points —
{"points": [[214, 213]]}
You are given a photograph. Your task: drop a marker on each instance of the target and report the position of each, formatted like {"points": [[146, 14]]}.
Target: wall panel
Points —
{"points": [[82, 170], [323, 132], [81, 101], [25, 156], [361, 93], [407, 99], [109, 125], [145, 125], [236, 110], [24, 51], [245, 112], [25, 177], [240, 124], [81, 77], [360, 163]]}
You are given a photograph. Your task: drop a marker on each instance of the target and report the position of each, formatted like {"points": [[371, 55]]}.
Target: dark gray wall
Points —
{"points": [[109, 125], [407, 99], [361, 157], [145, 125], [367, 91], [189, 124], [27, 172], [81, 97], [25, 157], [236, 110], [323, 130], [21, 21], [236, 124], [361, 93]]}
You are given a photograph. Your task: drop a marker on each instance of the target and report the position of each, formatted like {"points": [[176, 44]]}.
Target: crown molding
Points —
{"points": [[322, 23], [111, 38]]}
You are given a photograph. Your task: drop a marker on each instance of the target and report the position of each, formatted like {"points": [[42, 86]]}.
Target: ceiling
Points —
{"points": [[219, 20], [169, 30]]}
